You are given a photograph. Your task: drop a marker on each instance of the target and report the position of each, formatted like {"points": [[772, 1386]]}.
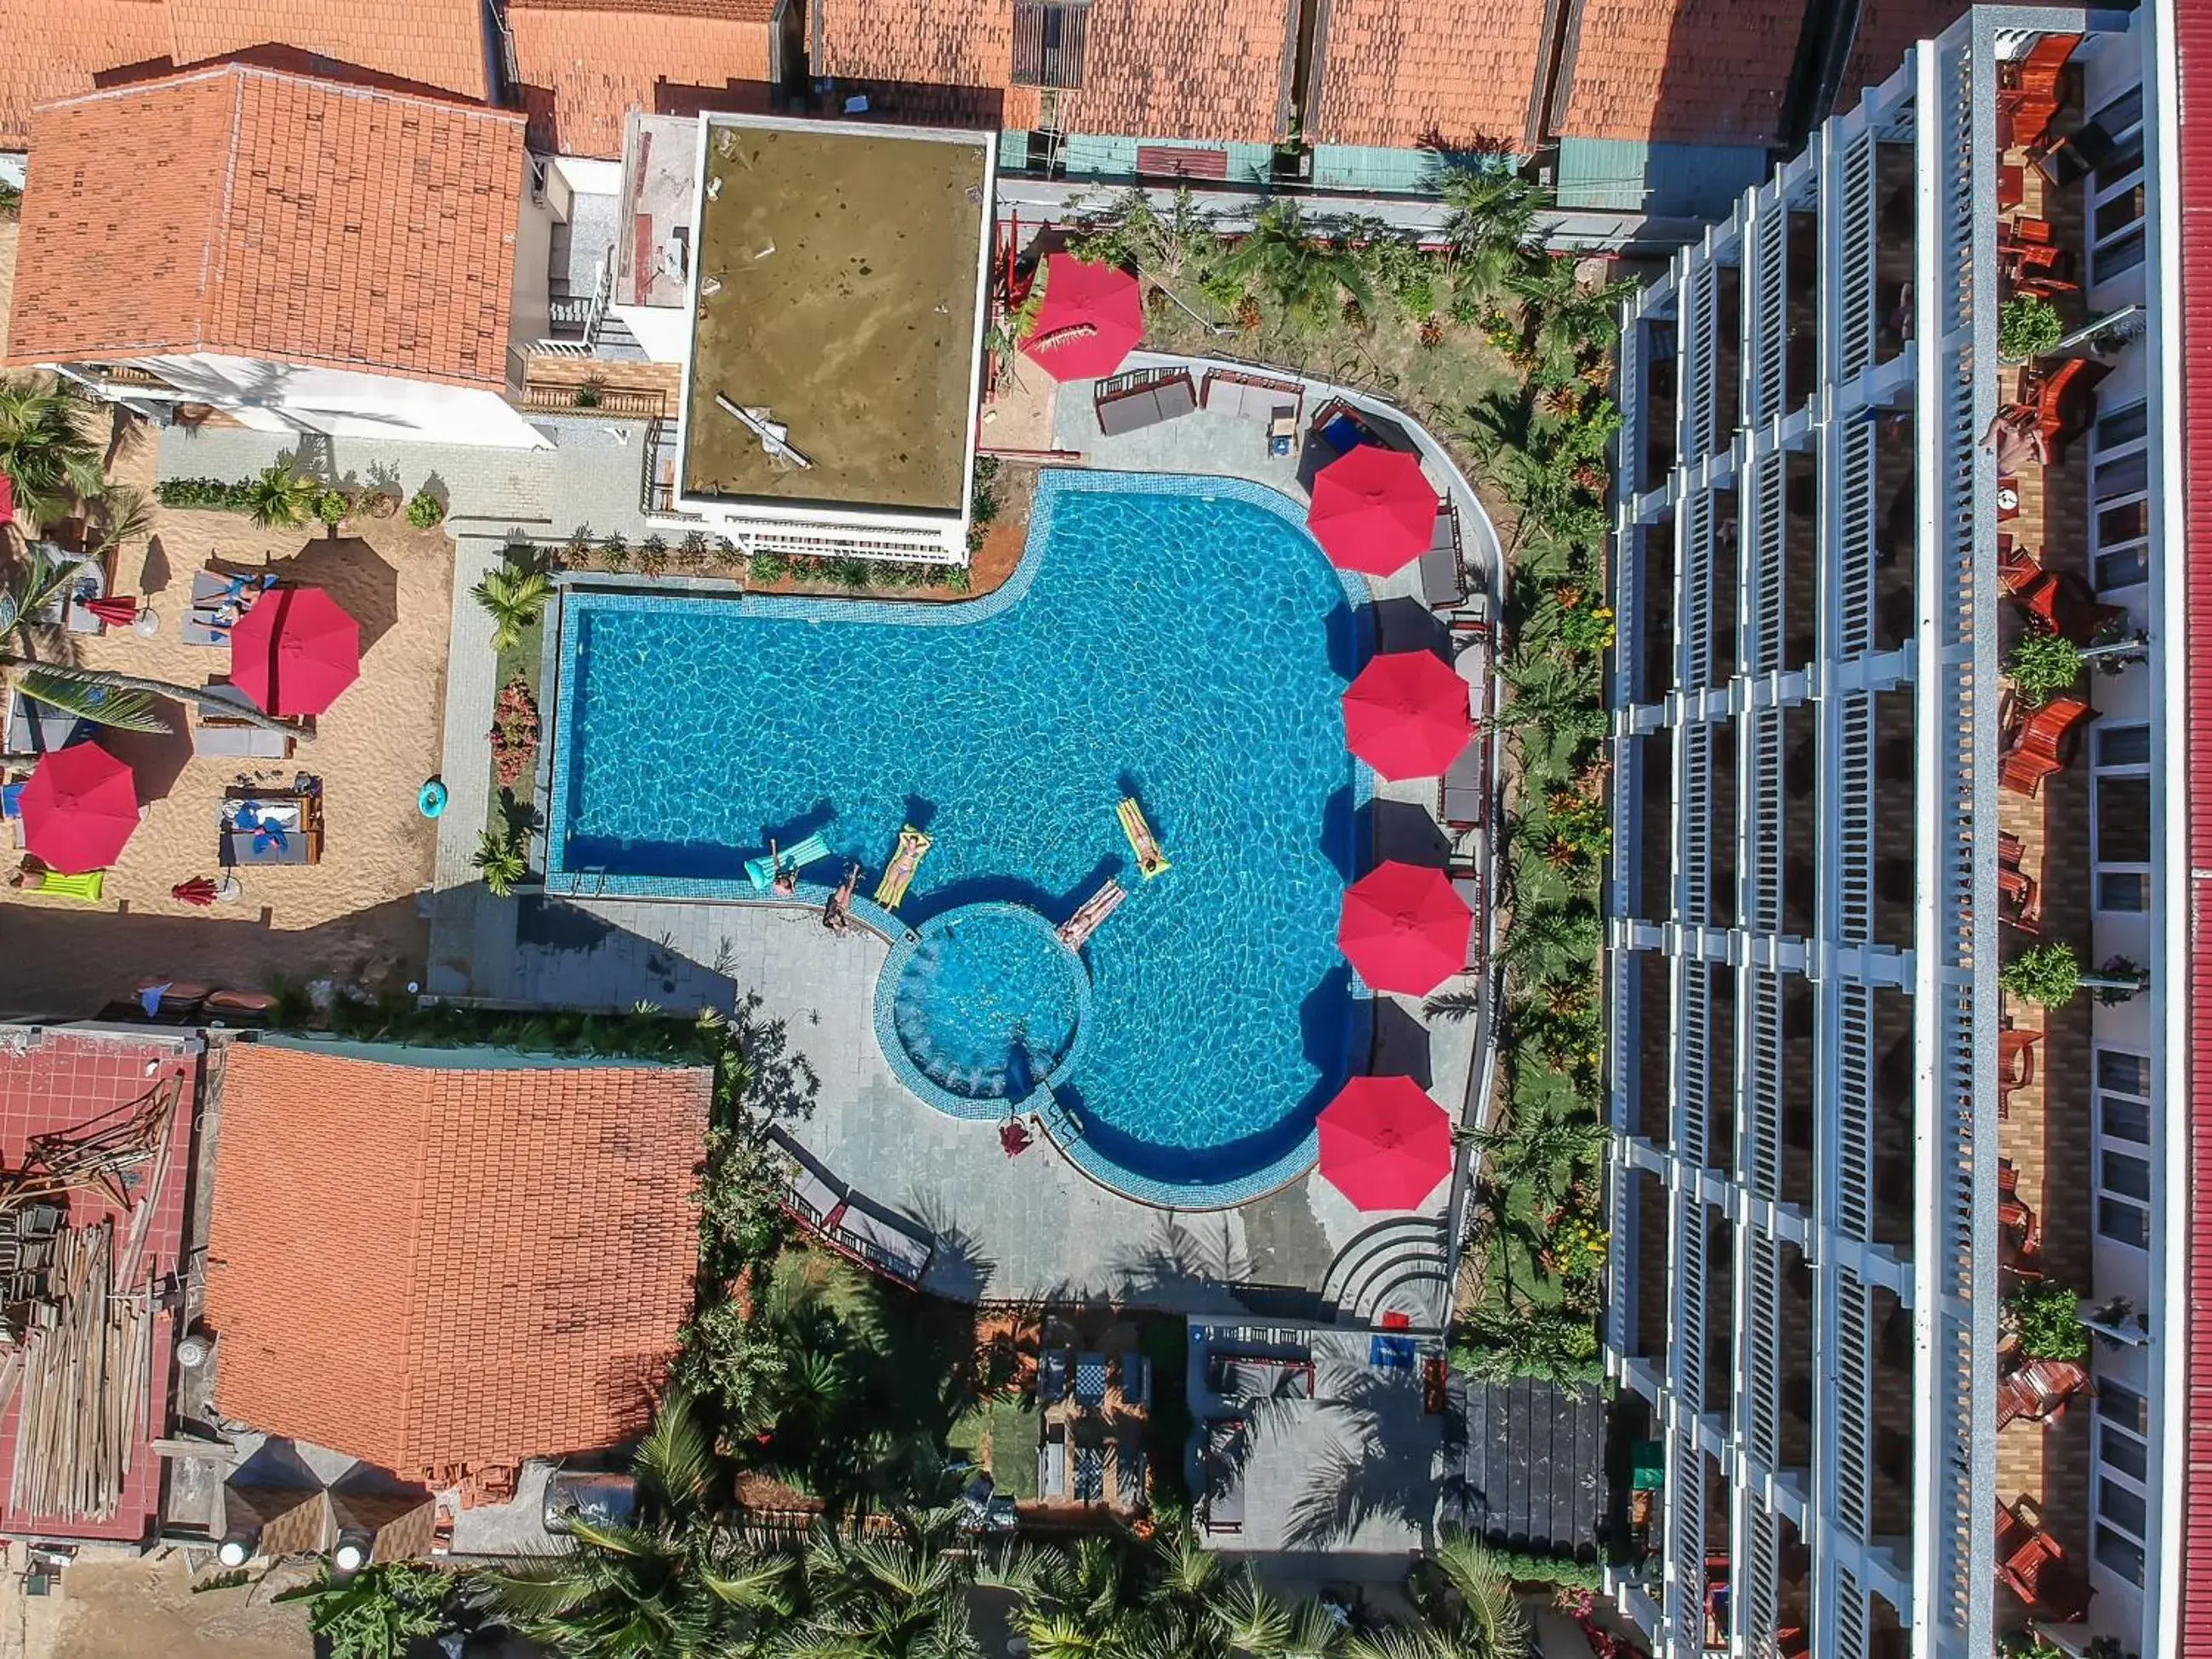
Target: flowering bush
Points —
{"points": [[514, 733]]}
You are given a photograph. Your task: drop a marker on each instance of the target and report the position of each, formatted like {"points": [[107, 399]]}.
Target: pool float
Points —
{"points": [[1150, 861], [788, 860], [430, 798], [890, 891]]}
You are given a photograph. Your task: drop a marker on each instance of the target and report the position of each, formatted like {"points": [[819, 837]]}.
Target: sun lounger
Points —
{"points": [[1052, 1466], [217, 602], [788, 860], [1443, 580], [1052, 1376], [1465, 791], [220, 735], [1090, 1474], [898, 875], [1091, 1379], [84, 889], [1129, 1472], [1129, 403], [883, 1244], [266, 827], [38, 728], [1222, 1509]]}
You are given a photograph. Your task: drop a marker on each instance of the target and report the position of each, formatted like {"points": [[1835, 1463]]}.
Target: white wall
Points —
{"points": [[664, 332], [347, 402], [529, 314]]}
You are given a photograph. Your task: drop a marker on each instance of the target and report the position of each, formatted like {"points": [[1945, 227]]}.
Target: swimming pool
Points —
{"points": [[1180, 641]]}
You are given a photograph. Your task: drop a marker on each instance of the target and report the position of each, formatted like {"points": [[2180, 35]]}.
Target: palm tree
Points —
{"points": [[1547, 1153], [1552, 942], [501, 860], [1306, 274], [1568, 318], [897, 1594], [1465, 1606], [278, 498], [123, 702], [1490, 223], [514, 596], [377, 1613], [667, 1584], [48, 456]]}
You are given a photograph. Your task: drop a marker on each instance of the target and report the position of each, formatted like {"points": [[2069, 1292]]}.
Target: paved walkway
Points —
{"points": [[1005, 1228]]}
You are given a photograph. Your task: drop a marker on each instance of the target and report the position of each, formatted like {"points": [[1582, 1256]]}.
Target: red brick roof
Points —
{"points": [[1886, 30], [584, 67], [432, 43], [1398, 74], [52, 49], [427, 1267], [1682, 71], [1161, 68], [270, 215]]}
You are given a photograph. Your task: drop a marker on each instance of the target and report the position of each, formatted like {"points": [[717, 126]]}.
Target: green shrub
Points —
{"points": [[2046, 1318], [216, 495], [2043, 664], [424, 510], [332, 507], [2046, 975], [2029, 326]]}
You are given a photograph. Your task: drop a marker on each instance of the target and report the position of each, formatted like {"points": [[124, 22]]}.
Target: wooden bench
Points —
{"points": [[2043, 743]]}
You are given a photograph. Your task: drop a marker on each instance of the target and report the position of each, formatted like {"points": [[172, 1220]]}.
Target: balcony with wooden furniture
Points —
{"points": [[2032, 1564]]}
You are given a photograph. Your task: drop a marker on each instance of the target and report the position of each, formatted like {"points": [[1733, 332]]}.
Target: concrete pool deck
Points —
{"points": [[1005, 1229]]}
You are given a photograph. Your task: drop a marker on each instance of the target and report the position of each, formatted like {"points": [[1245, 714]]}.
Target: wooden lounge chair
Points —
{"points": [[2064, 407], [2065, 604], [2030, 91], [2015, 1219], [222, 736], [2034, 1567], [2038, 1391], [2016, 1064], [2020, 897], [2042, 744], [247, 812], [1142, 397]]}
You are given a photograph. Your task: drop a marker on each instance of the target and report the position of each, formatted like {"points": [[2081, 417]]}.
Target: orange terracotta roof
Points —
{"points": [[922, 43], [1166, 68], [272, 217], [432, 42], [427, 1267], [1157, 68], [1681, 72], [75, 39], [1886, 30], [584, 67], [1399, 75]]}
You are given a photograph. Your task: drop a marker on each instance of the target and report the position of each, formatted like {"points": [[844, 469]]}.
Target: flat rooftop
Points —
{"points": [[839, 276]]}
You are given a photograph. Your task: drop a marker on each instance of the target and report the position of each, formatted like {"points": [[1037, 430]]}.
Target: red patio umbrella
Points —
{"points": [[1407, 716], [1373, 510], [79, 809], [1384, 1144], [294, 650], [1091, 317], [1404, 928]]}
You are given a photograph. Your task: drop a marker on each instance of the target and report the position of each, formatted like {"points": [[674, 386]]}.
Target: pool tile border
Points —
{"points": [[1053, 483]]}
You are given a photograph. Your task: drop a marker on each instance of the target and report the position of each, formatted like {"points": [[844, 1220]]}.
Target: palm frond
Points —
{"points": [[103, 705], [675, 1460]]}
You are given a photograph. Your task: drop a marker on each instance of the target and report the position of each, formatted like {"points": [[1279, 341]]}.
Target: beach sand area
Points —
{"points": [[354, 916]]}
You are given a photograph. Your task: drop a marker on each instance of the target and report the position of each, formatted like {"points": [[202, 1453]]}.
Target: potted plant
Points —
{"points": [[2028, 326], [2043, 664], [425, 510], [2045, 1319]]}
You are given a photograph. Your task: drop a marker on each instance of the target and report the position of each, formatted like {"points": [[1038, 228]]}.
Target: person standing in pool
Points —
{"points": [[837, 913]]}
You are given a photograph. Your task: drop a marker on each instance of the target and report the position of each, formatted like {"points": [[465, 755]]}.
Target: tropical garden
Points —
{"points": [[799, 1494]]}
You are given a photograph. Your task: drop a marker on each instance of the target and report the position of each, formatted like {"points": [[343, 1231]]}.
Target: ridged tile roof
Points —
{"points": [[432, 42], [1399, 75], [584, 68], [427, 1267], [75, 40], [1682, 71], [270, 215]]}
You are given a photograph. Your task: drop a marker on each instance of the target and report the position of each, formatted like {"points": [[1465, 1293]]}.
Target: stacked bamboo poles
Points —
{"points": [[82, 1377]]}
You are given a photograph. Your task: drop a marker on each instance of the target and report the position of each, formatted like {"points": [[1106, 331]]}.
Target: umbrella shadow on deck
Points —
{"points": [[353, 574]]}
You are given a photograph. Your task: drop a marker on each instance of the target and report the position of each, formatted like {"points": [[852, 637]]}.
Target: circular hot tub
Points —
{"points": [[984, 1006]]}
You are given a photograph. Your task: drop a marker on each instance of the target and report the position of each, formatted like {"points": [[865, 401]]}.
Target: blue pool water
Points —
{"points": [[1187, 650], [988, 1005]]}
